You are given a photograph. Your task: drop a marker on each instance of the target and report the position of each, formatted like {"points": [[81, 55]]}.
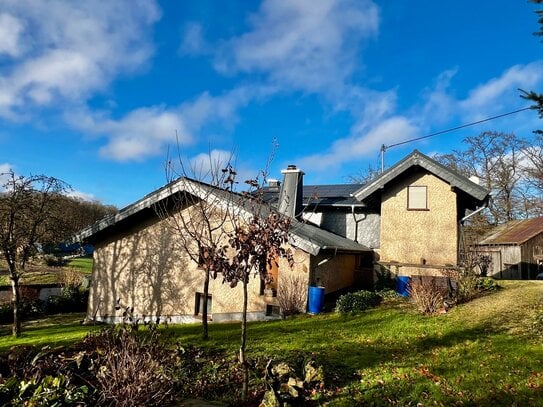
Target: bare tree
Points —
{"points": [[495, 158], [28, 216], [257, 242], [198, 217], [365, 176], [533, 169], [228, 234]]}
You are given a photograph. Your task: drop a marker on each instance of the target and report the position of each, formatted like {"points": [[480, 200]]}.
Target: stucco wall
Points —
{"points": [[333, 271], [407, 236], [361, 227], [147, 269]]}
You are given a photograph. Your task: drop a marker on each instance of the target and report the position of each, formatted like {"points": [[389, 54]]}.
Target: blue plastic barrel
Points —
{"points": [[315, 300], [402, 285]]}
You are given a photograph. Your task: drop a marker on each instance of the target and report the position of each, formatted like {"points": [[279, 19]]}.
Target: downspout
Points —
{"points": [[356, 223], [475, 212]]}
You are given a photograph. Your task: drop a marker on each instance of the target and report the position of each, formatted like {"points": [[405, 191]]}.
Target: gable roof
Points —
{"points": [[514, 232], [305, 236], [417, 159]]}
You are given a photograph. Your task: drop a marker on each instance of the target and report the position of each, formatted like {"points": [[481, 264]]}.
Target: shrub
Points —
{"points": [[51, 260], [426, 294], [385, 279], [70, 278], [6, 313], [291, 295], [486, 284], [70, 300], [357, 302], [27, 309], [388, 294], [133, 367], [51, 391]]}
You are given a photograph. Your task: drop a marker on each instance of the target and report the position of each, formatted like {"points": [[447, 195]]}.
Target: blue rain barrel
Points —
{"points": [[402, 285], [315, 300]]}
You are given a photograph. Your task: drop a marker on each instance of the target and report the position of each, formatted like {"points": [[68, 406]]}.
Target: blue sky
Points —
{"points": [[95, 92]]}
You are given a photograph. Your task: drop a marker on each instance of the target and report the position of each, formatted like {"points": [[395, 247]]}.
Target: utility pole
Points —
{"points": [[383, 149]]}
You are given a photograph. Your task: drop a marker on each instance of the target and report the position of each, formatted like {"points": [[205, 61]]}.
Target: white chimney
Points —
{"points": [[475, 179], [291, 195]]}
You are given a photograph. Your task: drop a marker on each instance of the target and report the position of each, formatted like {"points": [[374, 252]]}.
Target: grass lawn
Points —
{"points": [[83, 264], [482, 353], [55, 330], [47, 275]]}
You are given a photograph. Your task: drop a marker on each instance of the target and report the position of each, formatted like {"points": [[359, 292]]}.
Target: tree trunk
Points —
{"points": [[242, 359], [205, 334], [16, 300]]}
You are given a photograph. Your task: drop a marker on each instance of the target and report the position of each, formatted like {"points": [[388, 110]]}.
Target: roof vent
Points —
{"points": [[273, 184]]}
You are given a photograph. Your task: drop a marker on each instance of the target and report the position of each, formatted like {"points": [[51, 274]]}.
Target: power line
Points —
{"points": [[384, 147], [459, 127]]}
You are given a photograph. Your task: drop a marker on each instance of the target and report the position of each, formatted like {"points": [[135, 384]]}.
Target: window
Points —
{"points": [[417, 198], [199, 304], [273, 310]]}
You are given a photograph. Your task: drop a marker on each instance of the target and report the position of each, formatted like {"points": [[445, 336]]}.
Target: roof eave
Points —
{"points": [[418, 159]]}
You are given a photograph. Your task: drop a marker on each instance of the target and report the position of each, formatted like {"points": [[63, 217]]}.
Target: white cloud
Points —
{"points": [[306, 45], [146, 131], [193, 41], [71, 49], [11, 29], [205, 164], [498, 94], [81, 195], [362, 143], [438, 104]]}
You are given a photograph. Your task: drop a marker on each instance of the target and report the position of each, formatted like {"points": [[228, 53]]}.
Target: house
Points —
{"points": [[138, 263], [514, 250], [407, 220]]}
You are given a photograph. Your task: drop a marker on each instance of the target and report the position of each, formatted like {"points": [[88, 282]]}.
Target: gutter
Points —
{"points": [[475, 212]]}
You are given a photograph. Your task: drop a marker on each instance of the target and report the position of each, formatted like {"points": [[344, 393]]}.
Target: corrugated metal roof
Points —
{"points": [[514, 232]]}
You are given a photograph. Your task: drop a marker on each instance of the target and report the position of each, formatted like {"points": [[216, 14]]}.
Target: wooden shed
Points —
{"points": [[515, 249]]}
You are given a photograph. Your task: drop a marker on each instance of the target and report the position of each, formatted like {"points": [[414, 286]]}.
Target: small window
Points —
{"points": [[199, 304], [273, 310], [417, 198]]}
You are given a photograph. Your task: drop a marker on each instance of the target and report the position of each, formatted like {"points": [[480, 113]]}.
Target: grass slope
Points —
{"points": [[47, 275], [482, 353]]}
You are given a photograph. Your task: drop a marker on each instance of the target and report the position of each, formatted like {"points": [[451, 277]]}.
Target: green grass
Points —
{"points": [[83, 264], [55, 330], [482, 353], [48, 275]]}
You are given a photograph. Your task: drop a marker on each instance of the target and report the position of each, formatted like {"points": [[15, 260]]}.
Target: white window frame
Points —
{"points": [[416, 194]]}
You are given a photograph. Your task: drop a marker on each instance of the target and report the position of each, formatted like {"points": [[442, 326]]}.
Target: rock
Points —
{"points": [[312, 373], [281, 370]]}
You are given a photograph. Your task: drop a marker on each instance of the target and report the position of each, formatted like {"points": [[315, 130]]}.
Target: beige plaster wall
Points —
{"points": [[336, 271], [145, 268], [408, 236]]}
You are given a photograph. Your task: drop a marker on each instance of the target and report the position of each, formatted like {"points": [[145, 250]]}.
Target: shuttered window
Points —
{"points": [[417, 198]]}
